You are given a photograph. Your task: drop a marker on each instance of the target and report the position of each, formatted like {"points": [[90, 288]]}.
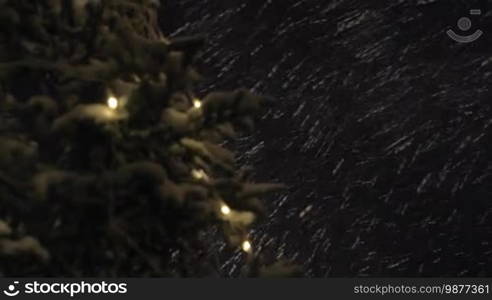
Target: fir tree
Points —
{"points": [[110, 164]]}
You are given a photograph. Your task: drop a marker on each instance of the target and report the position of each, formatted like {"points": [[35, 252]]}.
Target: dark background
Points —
{"points": [[382, 129]]}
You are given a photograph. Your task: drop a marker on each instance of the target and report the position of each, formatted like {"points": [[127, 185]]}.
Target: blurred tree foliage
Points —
{"points": [[110, 165]]}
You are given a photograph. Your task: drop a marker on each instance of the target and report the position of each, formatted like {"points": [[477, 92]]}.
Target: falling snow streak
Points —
{"points": [[382, 130]]}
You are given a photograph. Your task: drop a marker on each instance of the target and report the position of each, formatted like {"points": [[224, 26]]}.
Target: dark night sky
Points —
{"points": [[382, 129]]}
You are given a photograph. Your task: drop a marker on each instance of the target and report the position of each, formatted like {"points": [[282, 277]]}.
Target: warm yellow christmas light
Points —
{"points": [[225, 210], [246, 246], [112, 102], [199, 174], [197, 103]]}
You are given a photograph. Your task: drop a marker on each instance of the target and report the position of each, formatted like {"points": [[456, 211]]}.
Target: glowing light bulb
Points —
{"points": [[112, 102], [225, 210], [199, 174], [197, 103], [246, 246]]}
